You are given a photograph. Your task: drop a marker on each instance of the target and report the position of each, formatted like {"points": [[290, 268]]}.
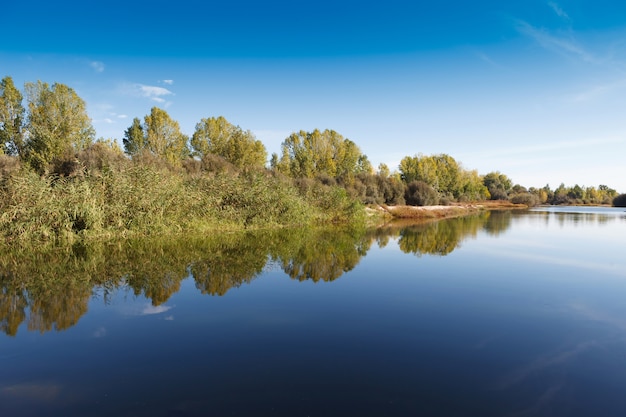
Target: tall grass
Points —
{"points": [[148, 199]]}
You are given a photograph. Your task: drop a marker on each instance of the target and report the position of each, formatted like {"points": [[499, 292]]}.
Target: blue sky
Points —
{"points": [[534, 89]]}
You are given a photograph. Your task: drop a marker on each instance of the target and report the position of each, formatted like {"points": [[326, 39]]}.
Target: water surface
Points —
{"points": [[500, 314]]}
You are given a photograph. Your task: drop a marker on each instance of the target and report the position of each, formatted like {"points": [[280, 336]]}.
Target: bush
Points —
{"points": [[620, 201], [418, 193], [497, 194], [528, 199], [103, 156]]}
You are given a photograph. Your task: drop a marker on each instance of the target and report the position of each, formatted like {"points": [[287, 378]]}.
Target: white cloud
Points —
{"points": [[168, 82], [122, 116], [109, 121], [98, 66], [154, 93], [558, 10]]}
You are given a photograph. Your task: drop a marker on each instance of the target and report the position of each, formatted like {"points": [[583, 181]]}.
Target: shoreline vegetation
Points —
{"points": [[58, 184]]}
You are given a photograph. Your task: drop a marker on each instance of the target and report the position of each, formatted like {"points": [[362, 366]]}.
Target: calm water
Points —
{"points": [[502, 314]]}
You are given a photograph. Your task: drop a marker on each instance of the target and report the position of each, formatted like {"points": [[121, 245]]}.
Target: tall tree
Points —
{"points": [[219, 137], [134, 138], [441, 172], [163, 136], [308, 154], [11, 118], [57, 123]]}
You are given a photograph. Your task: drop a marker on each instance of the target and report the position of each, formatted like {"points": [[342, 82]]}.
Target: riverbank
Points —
{"points": [[440, 212]]}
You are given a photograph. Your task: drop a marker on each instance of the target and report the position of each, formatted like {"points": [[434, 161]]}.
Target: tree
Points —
{"points": [[440, 171], [160, 135], [219, 137], [499, 185], [11, 118], [57, 123], [383, 170], [620, 201], [134, 138], [310, 154]]}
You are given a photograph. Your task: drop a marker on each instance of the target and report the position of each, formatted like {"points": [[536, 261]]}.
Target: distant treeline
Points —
{"points": [[57, 180]]}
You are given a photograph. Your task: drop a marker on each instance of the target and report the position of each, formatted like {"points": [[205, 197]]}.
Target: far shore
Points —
{"points": [[441, 212]]}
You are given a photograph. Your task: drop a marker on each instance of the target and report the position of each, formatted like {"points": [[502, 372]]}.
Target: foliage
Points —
{"points": [[134, 139], [526, 198], [309, 154], [498, 185], [160, 135], [441, 172], [418, 193], [219, 137], [12, 117], [576, 194], [620, 201], [57, 124]]}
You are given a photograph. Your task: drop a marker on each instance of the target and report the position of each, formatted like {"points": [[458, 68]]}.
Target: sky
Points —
{"points": [[533, 89]]}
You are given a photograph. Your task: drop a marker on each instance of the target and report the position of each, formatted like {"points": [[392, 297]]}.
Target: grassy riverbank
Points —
{"points": [[139, 199]]}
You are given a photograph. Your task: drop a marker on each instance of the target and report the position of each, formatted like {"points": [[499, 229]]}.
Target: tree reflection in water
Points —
{"points": [[51, 289]]}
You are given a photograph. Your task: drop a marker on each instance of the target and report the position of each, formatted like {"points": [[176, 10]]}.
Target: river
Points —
{"points": [[496, 314]]}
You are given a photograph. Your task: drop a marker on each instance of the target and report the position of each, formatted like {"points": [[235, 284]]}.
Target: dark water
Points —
{"points": [[502, 314]]}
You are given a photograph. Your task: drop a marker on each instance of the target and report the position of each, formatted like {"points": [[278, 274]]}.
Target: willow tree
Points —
{"points": [[219, 137], [57, 123], [310, 154], [11, 118]]}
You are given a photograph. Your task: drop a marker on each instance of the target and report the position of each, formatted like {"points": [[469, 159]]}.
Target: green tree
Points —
{"points": [[219, 137], [310, 154], [11, 118], [163, 136], [499, 185], [440, 171], [57, 123], [383, 170], [134, 139]]}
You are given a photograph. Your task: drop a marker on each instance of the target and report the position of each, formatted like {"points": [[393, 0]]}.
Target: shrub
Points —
{"points": [[620, 201], [418, 193], [528, 199], [103, 156]]}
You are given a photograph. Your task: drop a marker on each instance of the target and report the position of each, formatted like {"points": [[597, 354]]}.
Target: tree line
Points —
{"points": [[47, 128]]}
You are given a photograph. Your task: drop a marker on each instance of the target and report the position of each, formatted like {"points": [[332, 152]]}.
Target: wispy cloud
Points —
{"points": [[558, 10], [548, 147], [563, 44], [98, 66], [168, 82], [598, 91], [152, 92]]}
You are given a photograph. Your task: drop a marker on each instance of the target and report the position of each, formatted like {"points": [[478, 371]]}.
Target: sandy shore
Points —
{"points": [[442, 212]]}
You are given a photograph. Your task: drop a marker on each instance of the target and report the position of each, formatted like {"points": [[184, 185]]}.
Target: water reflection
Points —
{"points": [[578, 216], [51, 290]]}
